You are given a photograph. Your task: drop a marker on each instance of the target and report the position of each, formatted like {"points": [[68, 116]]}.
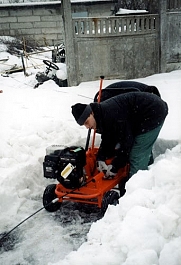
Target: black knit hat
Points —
{"points": [[81, 112]]}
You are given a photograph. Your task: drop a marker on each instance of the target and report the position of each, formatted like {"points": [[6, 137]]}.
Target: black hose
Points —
{"points": [[1, 239], [53, 201]]}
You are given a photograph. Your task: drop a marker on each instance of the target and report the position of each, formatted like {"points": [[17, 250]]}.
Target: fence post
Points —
{"points": [[163, 35], [72, 75]]}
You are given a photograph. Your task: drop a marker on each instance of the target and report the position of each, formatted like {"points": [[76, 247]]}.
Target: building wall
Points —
{"points": [[42, 22], [94, 9], [173, 52], [170, 35]]}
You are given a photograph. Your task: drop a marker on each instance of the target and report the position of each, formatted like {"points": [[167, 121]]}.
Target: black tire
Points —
{"points": [[48, 196], [122, 185], [110, 197], [104, 205], [122, 189]]}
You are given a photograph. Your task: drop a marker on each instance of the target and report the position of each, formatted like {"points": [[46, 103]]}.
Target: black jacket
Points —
{"points": [[122, 87], [134, 84], [121, 118]]}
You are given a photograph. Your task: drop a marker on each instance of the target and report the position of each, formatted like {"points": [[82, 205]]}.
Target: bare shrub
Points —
{"points": [[150, 5], [16, 45]]}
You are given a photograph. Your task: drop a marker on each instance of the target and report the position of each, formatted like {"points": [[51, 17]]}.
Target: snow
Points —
{"points": [[123, 11], [144, 229]]}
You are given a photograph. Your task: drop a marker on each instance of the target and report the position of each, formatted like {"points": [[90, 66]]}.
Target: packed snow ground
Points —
{"points": [[144, 229]]}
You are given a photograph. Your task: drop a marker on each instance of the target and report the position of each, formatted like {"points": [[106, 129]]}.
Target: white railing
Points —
{"points": [[115, 25], [134, 24]]}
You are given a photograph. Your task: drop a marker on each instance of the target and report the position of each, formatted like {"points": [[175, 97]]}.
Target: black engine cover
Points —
{"points": [[55, 163]]}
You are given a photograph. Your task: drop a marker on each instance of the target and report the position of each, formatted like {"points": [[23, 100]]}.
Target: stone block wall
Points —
{"points": [[39, 23]]}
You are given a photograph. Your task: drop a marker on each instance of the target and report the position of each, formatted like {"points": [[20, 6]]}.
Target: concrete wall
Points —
{"points": [[173, 52], [170, 35], [117, 47]]}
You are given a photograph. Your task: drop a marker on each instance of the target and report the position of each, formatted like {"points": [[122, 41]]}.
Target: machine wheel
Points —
{"points": [[48, 196], [110, 197], [50, 64], [121, 186], [113, 197]]}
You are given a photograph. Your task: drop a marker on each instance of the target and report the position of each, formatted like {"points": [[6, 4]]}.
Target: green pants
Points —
{"points": [[141, 151]]}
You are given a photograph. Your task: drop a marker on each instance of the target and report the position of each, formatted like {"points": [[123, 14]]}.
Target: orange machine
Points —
{"points": [[90, 188]]}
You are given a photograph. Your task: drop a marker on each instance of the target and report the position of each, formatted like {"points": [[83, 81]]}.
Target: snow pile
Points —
{"points": [[145, 227]]}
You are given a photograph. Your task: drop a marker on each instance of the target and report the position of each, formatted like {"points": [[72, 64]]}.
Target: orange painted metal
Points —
{"points": [[98, 100], [95, 186]]}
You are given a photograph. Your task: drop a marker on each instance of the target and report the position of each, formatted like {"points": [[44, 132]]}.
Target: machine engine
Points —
{"points": [[66, 165]]}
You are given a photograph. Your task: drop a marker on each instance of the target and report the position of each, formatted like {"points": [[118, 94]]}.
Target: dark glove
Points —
{"points": [[111, 172], [101, 166]]}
